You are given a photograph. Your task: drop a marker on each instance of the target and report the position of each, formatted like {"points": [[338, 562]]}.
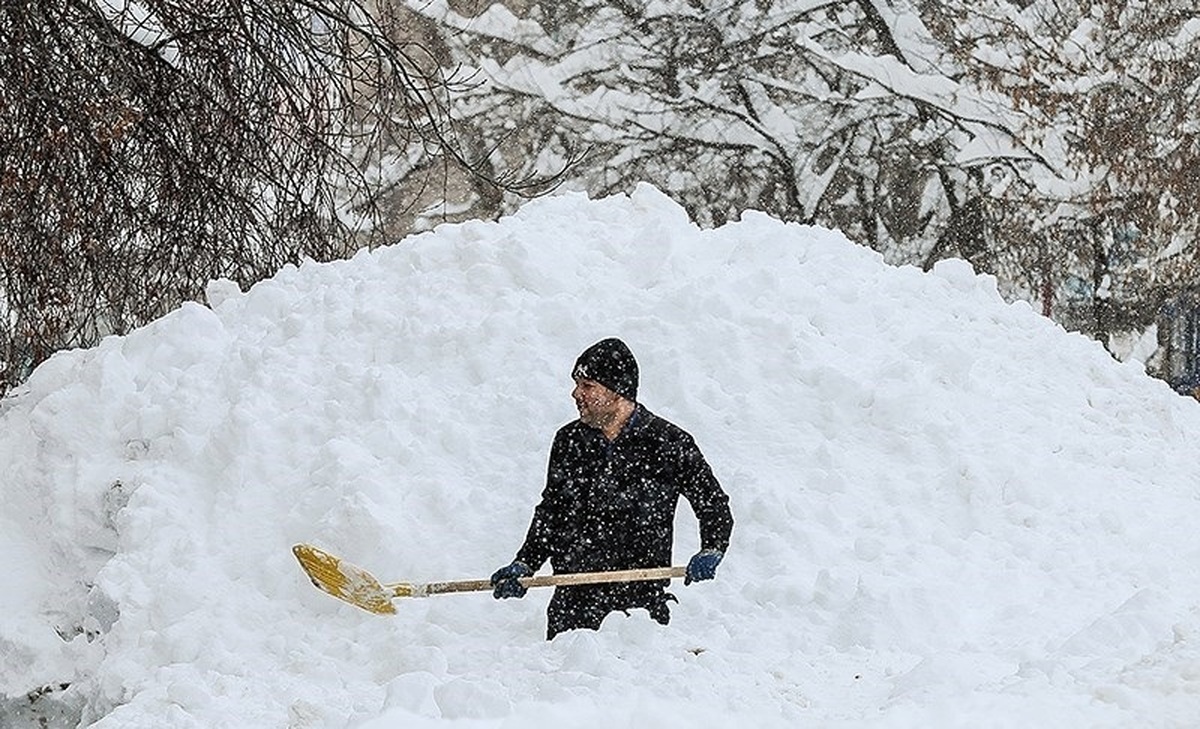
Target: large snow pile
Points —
{"points": [[949, 511]]}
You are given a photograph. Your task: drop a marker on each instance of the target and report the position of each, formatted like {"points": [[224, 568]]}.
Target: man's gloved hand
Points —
{"points": [[505, 580], [703, 566]]}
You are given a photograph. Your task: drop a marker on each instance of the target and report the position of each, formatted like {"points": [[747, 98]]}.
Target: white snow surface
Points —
{"points": [[949, 512]]}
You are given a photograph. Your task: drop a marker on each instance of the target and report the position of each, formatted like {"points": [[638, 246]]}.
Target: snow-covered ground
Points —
{"points": [[950, 512]]}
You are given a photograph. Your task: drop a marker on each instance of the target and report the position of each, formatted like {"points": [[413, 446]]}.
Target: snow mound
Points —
{"points": [[949, 511]]}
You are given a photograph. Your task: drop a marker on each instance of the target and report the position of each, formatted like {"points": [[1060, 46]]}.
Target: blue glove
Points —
{"points": [[703, 566], [505, 580]]}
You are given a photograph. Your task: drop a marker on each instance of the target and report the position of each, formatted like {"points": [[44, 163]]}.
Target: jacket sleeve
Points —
{"points": [[708, 500], [546, 528]]}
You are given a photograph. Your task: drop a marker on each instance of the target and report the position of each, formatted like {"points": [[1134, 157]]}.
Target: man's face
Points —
{"points": [[596, 403]]}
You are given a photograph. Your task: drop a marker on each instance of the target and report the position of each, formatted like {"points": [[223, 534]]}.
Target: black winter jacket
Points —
{"points": [[611, 506]]}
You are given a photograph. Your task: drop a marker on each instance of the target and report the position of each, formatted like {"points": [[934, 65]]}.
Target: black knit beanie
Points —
{"points": [[610, 363]]}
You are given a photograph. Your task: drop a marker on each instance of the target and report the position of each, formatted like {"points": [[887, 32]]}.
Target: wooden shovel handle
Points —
{"points": [[569, 578]]}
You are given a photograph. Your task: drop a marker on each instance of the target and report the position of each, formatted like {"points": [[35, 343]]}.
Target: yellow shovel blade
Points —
{"points": [[346, 581]]}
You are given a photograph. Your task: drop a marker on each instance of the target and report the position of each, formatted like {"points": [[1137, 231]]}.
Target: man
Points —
{"points": [[614, 479]]}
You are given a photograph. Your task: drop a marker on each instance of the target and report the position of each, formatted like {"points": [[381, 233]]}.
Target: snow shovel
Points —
{"points": [[358, 587]]}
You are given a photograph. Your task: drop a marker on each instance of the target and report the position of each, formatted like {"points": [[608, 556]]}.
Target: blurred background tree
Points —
{"points": [[1112, 88], [1048, 142], [149, 147]]}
